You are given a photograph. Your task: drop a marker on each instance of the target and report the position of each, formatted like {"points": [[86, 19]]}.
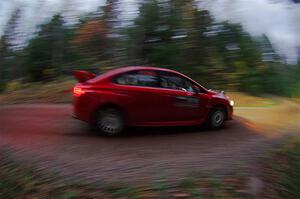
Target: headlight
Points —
{"points": [[231, 102]]}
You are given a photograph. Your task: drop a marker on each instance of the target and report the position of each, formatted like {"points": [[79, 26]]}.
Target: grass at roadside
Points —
{"points": [[245, 100], [283, 173], [297, 100], [58, 91], [19, 181]]}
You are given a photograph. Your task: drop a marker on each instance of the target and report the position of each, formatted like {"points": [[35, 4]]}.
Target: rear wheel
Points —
{"points": [[217, 118], [110, 121]]}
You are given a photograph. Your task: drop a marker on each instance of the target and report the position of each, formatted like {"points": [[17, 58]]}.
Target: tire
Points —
{"points": [[217, 118], [110, 122]]}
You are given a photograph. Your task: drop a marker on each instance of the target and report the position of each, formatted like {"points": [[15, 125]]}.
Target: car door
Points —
{"points": [[184, 103], [141, 91]]}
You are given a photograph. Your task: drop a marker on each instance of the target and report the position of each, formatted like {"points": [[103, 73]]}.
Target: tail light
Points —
{"points": [[77, 91]]}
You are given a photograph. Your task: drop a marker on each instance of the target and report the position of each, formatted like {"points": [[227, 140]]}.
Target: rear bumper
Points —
{"points": [[84, 108]]}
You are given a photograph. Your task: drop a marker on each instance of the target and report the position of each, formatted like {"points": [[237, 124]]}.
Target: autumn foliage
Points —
{"points": [[91, 38]]}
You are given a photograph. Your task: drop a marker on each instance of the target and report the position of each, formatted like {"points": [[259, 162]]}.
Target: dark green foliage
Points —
{"points": [[46, 54], [173, 34], [3, 63]]}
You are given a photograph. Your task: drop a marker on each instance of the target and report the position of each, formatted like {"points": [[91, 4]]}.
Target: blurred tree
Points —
{"points": [[47, 52], [170, 33], [143, 35], [194, 24], [91, 39], [11, 31], [111, 17], [241, 57], [97, 37], [9, 55], [4, 62], [9, 51], [268, 52]]}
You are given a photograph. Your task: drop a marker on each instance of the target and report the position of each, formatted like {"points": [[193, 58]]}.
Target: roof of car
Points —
{"points": [[130, 68]]}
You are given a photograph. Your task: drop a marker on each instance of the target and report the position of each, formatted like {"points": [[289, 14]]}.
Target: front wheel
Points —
{"points": [[217, 118], [110, 122]]}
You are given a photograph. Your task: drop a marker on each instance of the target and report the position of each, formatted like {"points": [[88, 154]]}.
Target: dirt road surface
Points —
{"points": [[48, 136]]}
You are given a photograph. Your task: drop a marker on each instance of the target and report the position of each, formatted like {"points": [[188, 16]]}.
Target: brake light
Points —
{"points": [[77, 91]]}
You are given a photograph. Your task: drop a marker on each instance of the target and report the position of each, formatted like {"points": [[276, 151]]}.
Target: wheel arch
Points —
{"points": [[219, 105], [108, 105]]}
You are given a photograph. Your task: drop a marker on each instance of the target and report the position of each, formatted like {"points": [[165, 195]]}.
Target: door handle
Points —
{"points": [[187, 99], [181, 98]]}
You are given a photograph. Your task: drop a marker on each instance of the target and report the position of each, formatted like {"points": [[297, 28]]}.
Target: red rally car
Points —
{"points": [[146, 96]]}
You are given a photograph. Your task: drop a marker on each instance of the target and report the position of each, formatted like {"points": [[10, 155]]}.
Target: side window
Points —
{"points": [[138, 78], [176, 82], [126, 79]]}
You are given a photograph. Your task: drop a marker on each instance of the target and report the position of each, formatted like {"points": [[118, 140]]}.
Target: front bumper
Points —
{"points": [[230, 113]]}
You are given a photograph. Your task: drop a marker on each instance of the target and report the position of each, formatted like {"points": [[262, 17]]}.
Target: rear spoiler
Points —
{"points": [[83, 76]]}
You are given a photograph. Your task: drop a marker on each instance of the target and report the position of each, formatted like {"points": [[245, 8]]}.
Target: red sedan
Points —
{"points": [[146, 96]]}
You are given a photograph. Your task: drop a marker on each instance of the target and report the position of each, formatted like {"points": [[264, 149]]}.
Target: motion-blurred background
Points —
{"points": [[241, 45], [248, 48]]}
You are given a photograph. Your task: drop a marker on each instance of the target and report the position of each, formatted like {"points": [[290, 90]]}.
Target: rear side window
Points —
{"points": [[138, 78]]}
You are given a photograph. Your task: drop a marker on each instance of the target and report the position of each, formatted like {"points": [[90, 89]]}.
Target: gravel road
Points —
{"points": [[48, 136]]}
